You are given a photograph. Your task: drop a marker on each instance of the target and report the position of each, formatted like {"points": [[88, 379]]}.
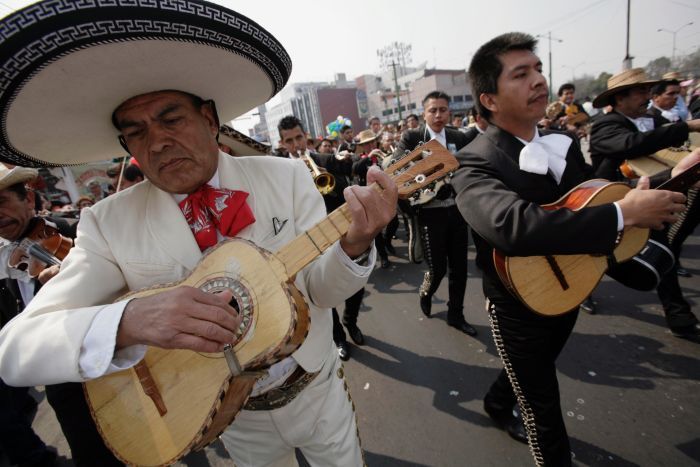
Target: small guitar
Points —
{"points": [[556, 284], [175, 401]]}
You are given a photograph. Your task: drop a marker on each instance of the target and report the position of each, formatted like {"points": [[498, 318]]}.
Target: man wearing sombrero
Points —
{"points": [[76, 80], [627, 132]]}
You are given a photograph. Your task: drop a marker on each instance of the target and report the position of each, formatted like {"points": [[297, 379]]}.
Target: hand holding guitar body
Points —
{"points": [[183, 317]]}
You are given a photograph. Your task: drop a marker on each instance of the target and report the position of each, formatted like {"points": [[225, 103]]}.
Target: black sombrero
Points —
{"points": [[65, 65]]}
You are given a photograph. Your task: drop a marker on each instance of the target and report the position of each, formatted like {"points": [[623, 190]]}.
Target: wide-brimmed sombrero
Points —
{"points": [[241, 144], [65, 66], [621, 81]]}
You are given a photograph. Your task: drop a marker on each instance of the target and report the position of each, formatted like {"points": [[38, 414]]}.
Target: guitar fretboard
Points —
{"points": [[306, 247]]}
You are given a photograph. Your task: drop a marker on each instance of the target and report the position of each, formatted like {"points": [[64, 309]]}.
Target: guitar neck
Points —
{"points": [[682, 181], [423, 166], [308, 246]]}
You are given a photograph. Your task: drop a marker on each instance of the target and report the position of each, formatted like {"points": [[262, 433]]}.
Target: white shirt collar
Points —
{"points": [[440, 137]]}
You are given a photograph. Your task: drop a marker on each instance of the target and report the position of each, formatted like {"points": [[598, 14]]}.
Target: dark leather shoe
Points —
{"points": [[343, 351], [426, 303], [385, 263], [505, 420], [463, 326], [687, 332], [683, 272], [588, 306], [356, 335]]}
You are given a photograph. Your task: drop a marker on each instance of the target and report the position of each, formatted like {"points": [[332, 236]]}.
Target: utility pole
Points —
{"points": [[549, 36], [673, 52], [397, 90], [627, 61]]}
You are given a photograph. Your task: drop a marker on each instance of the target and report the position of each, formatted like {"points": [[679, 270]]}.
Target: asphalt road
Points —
{"points": [[630, 390]]}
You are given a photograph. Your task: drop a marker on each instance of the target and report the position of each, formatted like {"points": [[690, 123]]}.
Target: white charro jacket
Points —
{"points": [[139, 238]]}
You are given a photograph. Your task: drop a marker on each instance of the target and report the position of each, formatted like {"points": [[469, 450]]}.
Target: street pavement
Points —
{"points": [[630, 390]]}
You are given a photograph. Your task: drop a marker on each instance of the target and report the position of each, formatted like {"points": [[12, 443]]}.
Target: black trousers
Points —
{"points": [[86, 444], [17, 439], [676, 308], [445, 237], [352, 310], [529, 345]]}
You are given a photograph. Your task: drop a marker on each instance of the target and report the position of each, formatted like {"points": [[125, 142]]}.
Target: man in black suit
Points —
{"points": [[342, 168], [629, 132], [20, 443], [663, 100], [443, 231], [504, 176]]}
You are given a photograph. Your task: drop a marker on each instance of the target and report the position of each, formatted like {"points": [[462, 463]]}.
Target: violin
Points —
{"points": [[43, 246]]}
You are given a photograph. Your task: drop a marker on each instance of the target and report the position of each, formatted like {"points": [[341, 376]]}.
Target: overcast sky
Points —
{"points": [[324, 38]]}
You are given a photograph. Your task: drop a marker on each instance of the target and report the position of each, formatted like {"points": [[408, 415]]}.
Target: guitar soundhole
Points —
{"points": [[241, 301]]}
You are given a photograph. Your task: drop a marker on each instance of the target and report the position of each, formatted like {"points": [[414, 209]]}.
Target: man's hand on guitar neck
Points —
{"points": [[647, 208], [686, 163], [370, 209], [181, 318]]}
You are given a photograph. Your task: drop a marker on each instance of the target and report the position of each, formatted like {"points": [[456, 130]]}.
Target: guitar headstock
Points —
{"points": [[424, 165]]}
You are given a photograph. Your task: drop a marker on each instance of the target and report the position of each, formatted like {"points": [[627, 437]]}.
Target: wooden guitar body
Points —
{"points": [[193, 385], [555, 284]]}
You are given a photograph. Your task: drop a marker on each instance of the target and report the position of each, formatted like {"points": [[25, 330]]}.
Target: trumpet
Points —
{"points": [[324, 181]]}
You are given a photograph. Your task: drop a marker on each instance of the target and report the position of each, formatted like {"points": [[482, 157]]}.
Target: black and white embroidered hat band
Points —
{"points": [[65, 66]]}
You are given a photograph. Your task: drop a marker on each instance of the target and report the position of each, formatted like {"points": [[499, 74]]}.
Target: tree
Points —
{"points": [[657, 67], [588, 86]]}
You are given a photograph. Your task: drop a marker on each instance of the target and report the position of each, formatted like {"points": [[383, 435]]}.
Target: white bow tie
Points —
{"points": [[670, 115], [545, 153]]}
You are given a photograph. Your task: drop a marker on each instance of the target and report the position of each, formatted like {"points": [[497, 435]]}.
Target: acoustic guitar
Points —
{"points": [[175, 401], [556, 284]]}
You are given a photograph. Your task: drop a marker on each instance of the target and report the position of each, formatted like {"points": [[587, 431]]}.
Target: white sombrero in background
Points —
{"points": [[66, 65]]}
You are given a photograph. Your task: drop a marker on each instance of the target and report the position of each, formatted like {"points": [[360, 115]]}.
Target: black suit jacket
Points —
{"points": [[614, 138], [502, 205], [410, 139]]}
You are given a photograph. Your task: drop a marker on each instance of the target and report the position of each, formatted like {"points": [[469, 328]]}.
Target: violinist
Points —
{"points": [[18, 220]]}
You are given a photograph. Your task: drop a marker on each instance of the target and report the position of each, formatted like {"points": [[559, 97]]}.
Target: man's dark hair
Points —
{"points": [[345, 128], [435, 95], [132, 172], [289, 122], [660, 88], [373, 118], [565, 87], [486, 65], [20, 189], [412, 116]]}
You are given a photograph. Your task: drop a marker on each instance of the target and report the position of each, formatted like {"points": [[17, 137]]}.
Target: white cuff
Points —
{"points": [[360, 271], [97, 355], [620, 219]]}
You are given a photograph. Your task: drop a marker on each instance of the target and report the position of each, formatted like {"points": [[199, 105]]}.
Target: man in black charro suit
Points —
{"points": [[442, 230], [631, 131], [504, 176]]}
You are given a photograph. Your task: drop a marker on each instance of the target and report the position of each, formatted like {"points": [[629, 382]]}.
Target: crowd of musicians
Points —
{"points": [[512, 154]]}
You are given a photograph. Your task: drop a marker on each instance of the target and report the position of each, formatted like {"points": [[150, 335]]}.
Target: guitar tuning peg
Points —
{"points": [[420, 143]]}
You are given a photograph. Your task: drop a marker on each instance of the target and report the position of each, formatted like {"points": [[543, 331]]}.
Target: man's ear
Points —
{"points": [[31, 198], [488, 102]]}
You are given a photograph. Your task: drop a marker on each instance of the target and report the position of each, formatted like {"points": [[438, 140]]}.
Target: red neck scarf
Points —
{"points": [[208, 209]]}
